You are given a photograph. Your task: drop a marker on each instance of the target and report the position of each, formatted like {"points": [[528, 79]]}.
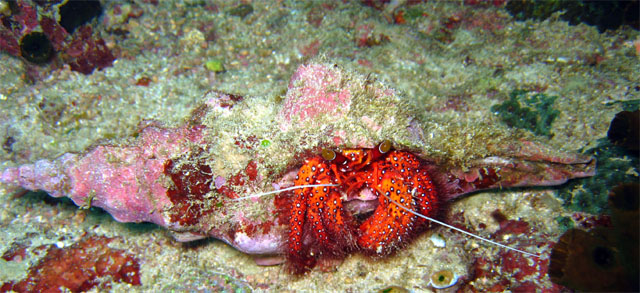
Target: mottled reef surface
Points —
{"points": [[463, 65]]}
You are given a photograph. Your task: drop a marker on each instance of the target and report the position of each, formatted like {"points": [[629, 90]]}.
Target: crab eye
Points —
{"points": [[385, 146], [328, 155]]}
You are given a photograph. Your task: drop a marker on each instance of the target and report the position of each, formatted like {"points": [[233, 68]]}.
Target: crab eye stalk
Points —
{"points": [[328, 155], [334, 157], [385, 146]]}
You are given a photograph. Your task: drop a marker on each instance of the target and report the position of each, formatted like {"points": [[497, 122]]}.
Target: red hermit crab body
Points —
{"points": [[320, 225]]}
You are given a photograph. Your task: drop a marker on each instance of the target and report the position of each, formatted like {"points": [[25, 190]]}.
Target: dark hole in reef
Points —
{"points": [[603, 256], [619, 128], [625, 130], [13, 7], [6, 22], [7, 146], [625, 196], [74, 14], [36, 48]]}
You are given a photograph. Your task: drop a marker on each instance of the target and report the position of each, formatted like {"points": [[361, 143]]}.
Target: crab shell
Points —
{"points": [[319, 224]]}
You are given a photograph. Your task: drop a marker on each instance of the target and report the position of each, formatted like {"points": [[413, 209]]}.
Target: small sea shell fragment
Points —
{"points": [[438, 240], [443, 279]]}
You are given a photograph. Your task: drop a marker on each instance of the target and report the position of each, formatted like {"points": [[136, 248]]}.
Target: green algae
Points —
{"points": [[413, 12], [615, 166], [631, 105], [215, 65], [532, 112], [241, 10], [564, 223]]}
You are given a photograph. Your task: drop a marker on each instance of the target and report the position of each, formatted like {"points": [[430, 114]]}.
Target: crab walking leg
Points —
{"points": [[297, 218], [316, 198], [422, 188], [306, 207], [424, 193], [389, 226], [336, 221]]}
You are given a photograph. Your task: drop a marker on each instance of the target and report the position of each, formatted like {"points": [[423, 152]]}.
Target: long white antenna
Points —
{"points": [[402, 207], [458, 229], [283, 190]]}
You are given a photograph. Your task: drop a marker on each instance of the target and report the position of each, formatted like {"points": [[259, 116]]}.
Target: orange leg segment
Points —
{"points": [[386, 229]]}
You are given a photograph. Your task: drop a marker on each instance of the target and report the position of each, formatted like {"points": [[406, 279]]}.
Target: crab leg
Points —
{"points": [[299, 210], [336, 222], [381, 233]]}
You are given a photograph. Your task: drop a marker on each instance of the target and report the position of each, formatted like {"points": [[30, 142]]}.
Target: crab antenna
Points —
{"points": [[458, 229], [402, 207], [283, 190]]}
